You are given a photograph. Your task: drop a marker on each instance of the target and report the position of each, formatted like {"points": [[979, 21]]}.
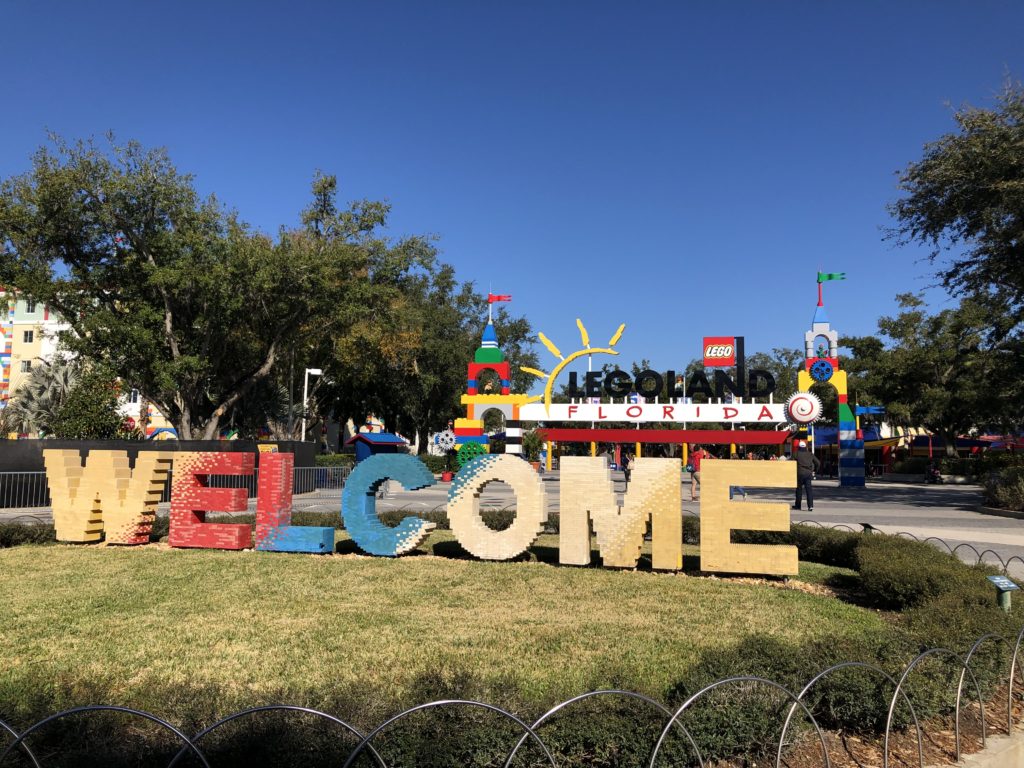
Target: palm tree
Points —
{"points": [[35, 405]]}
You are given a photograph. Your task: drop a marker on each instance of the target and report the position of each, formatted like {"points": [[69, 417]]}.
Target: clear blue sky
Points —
{"points": [[683, 167]]}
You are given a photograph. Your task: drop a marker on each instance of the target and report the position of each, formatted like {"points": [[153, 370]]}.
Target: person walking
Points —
{"points": [[695, 458], [627, 467], [806, 465], [738, 490]]}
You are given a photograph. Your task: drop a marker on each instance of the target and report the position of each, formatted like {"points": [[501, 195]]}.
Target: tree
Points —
{"points": [[90, 410], [36, 405], [174, 293], [939, 370], [413, 328], [966, 196]]}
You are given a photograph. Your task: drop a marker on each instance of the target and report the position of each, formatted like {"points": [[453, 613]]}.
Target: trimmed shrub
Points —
{"points": [[393, 517], [899, 573], [916, 465], [16, 534], [437, 464], [820, 545], [1005, 489], [336, 460]]}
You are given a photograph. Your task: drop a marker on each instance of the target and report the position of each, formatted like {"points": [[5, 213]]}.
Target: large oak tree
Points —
{"points": [[965, 200], [173, 292]]}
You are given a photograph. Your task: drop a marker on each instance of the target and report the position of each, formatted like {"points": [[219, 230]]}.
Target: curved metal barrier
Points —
{"points": [[673, 718], [629, 694], [530, 732], [743, 679]]}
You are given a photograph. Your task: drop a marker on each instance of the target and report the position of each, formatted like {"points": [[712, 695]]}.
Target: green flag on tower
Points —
{"points": [[823, 276]]}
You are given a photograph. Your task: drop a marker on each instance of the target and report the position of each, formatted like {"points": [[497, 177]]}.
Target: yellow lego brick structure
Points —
{"points": [[588, 496], [105, 497], [719, 517]]}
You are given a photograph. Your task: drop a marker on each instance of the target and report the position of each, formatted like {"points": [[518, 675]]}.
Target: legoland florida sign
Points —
{"points": [[106, 499]]}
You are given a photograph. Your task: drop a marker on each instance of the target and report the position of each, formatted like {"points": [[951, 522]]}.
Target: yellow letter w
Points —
{"points": [[105, 494]]}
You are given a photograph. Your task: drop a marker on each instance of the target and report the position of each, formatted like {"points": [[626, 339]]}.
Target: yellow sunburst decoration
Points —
{"points": [[586, 350]]}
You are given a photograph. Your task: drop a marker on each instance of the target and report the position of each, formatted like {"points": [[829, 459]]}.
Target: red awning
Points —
{"points": [[670, 436]]}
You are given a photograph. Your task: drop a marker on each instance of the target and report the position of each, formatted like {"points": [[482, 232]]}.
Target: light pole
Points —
{"points": [[305, 395]]}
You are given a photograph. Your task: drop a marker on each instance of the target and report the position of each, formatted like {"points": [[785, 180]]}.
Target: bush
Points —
{"points": [[90, 411], [994, 461], [16, 534], [436, 464], [898, 574], [336, 460], [393, 517], [958, 466], [498, 519], [916, 465], [1005, 489], [819, 545]]}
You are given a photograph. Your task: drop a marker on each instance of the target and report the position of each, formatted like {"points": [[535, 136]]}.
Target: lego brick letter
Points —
{"points": [[192, 497], [105, 496], [358, 504], [464, 507], [719, 517], [587, 495], [274, 532]]}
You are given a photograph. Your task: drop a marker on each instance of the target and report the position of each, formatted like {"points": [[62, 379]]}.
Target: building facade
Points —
{"points": [[29, 334]]}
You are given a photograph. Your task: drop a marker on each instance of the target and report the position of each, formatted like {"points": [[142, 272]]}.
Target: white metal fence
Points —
{"points": [[313, 486]]}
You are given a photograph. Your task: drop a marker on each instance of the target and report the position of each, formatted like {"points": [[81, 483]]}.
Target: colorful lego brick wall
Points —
{"points": [[274, 531], [105, 497], [464, 507], [588, 497], [192, 497], [6, 340], [358, 504], [719, 517], [501, 369]]}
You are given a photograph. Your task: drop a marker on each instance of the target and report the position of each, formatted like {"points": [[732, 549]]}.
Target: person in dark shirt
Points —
{"points": [[806, 465]]}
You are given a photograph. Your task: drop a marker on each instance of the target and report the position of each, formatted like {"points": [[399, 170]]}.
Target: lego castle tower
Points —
{"points": [[821, 366]]}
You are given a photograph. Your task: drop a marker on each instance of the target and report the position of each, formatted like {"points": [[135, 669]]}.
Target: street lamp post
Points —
{"points": [[305, 395]]}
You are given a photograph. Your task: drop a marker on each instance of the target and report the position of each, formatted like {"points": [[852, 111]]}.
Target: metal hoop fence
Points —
{"points": [[671, 719]]}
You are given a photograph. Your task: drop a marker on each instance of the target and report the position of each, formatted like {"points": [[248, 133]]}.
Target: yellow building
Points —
{"points": [[29, 331], [29, 337]]}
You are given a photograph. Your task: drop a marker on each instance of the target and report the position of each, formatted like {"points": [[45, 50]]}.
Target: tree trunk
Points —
{"points": [[950, 439], [183, 424], [212, 428]]}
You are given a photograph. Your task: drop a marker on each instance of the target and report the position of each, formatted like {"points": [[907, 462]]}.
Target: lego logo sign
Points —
{"points": [[719, 351]]}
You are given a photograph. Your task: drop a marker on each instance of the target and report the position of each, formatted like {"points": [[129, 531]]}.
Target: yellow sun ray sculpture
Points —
{"points": [[586, 350]]}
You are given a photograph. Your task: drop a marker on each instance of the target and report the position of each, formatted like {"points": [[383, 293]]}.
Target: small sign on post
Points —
{"points": [[1004, 586]]}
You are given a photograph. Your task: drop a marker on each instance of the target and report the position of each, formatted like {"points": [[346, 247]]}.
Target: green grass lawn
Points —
{"points": [[176, 631]]}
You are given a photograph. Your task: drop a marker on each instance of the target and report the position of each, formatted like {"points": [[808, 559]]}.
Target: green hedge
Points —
{"points": [[916, 465], [897, 574], [335, 460], [828, 546], [437, 464], [1005, 489], [16, 534], [971, 466]]}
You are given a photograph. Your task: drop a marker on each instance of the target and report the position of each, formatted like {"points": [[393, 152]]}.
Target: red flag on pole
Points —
{"points": [[494, 297]]}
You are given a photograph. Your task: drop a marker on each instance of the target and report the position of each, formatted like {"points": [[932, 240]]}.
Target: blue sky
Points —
{"points": [[682, 167]]}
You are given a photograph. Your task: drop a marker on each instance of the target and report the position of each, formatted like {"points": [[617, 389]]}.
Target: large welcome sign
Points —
{"points": [[104, 498]]}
